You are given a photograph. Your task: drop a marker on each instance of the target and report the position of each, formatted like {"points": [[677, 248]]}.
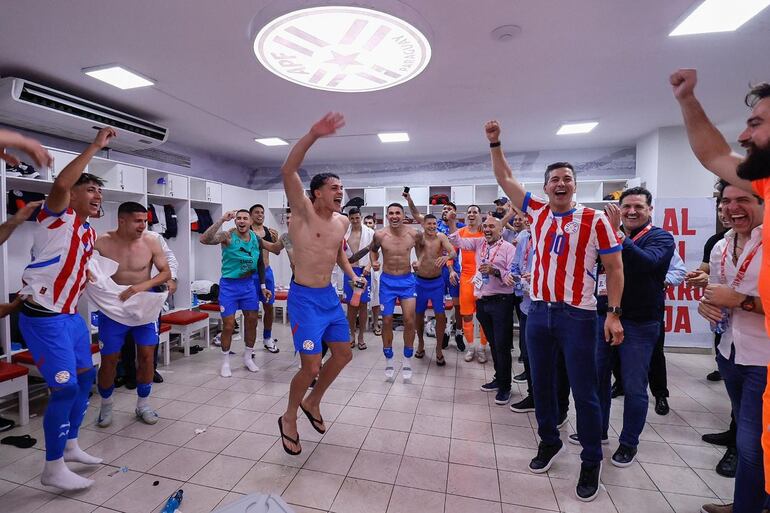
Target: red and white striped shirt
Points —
{"points": [[61, 249], [566, 248]]}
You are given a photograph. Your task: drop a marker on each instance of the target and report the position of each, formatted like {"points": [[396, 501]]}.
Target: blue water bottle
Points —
{"points": [[173, 502], [723, 324], [195, 301]]}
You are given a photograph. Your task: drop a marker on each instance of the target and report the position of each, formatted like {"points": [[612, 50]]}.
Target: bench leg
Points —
{"points": [[24, 406], [186, 343]]}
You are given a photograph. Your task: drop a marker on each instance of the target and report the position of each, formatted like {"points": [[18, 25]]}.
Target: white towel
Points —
{"points": [[103, 292]]}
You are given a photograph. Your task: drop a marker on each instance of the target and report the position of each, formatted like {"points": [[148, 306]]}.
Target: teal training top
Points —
{"points": [[239, 258]]}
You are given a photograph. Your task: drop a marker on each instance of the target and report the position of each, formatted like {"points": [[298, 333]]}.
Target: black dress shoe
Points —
{"points": [[617, 390], [156, 377], [661, 406], [729, 462], [119, 381], [725, 438], [130, 384], [714, 376]]}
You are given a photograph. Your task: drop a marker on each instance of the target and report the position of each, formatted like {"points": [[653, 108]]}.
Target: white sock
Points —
{"points": [[225, 371], [73, 452], [247, 361], [141, 402], [56, 474], [106, 400]]}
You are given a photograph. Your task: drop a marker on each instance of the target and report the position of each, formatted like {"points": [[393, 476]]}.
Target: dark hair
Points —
{"points": [[471, 206], [89, 178], [131, 207], [257, 205], [319, 181], [496, 215], [757, 93], [451, 205], [722, 185], [399, 205], [353, 211], [242, 210], [558, 165], [637, 191], [428, 216], [370, 216]]}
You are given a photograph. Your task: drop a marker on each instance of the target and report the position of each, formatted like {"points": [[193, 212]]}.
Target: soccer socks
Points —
{"points": [[225, 371], [106, 393], [483, 337], [267, 334], [406, 369], [56, 423], [247, 361], [80, 404], [468, 331], [143, 394]]}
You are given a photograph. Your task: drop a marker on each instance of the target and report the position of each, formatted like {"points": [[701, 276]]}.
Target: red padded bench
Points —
{"points": [[280, 302], [215, 312], [13, 380], [185, 323]]}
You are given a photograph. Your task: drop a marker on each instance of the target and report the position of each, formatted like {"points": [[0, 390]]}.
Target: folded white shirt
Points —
{"points": [[141, 308]]}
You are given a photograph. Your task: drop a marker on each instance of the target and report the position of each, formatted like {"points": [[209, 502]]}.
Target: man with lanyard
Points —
{"points": [[647, 252], [730, 304], [567, 240], [266, 235], [451, 273], [55, 333], [468, 265], [357, 237], [750, 173], [493, 288], [237, 291]]}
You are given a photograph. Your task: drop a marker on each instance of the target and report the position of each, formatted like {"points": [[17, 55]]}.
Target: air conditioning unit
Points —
{"points": [[36, 107]]}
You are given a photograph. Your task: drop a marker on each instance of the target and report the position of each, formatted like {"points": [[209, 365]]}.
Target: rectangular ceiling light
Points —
{"points": [[577, 128], [118, 76], [391, 137], [719, 16], [271, 141]]}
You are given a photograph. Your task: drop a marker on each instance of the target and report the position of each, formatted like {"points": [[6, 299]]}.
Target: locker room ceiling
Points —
{"points": [[607, 60]]}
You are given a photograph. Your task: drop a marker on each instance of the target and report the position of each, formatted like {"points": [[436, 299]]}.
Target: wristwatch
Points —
{"points": [[748, 304], [615, 310]]}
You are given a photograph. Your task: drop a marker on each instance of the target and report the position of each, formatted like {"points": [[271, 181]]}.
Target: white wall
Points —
{"points": [[680, 175], [647, 156]]}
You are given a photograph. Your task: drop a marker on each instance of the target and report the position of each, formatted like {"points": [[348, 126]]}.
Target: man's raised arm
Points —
{"points": [[513, 189], [707, 143], [413, 208], [295, 194]]}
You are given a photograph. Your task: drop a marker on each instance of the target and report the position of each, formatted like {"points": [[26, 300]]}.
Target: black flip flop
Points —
{"points": [[287, 437], [419, 353], [362, 345], [440, 362], [6, 424], [313, 421], [22, 442]]}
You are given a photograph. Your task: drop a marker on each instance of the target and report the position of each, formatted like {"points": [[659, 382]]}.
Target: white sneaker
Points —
{"points": [[217, 341], [470, 353], [481, 354], [269, 344], [406, 373], [225, 371], [250, 365]]}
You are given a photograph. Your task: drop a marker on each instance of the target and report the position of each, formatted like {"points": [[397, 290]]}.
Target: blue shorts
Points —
{"points": [[237, 294], [365, 296], [60, 345], [269, 284], [430, 289], [316, 316], [394, 287], [113, 334], [452, 290]]}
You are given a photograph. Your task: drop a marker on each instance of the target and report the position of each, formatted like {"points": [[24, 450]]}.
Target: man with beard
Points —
{"points": [[451, 274], [267, 236]]}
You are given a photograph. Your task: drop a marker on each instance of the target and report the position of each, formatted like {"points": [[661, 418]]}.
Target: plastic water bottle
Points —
{"points": [[195, 301], [358, 290], [173, 502], [518, 287], [721, 326]]}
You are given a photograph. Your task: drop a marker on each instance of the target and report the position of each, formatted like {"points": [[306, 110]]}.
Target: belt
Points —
{"points": [[494, 297]]}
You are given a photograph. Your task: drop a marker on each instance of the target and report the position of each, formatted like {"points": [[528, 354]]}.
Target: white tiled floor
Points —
{"points": [[437, 445]]}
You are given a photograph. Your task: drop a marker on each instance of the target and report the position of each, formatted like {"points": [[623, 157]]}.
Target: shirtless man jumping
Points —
{"points": [[434, 253], [316, 230], [136, 252], [396, 282]]}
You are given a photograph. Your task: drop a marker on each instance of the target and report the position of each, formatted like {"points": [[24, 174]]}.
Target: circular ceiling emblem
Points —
{"points": [[344, 49]]}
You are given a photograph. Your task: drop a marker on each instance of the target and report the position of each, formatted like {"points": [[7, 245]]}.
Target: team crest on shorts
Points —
{"points": [[308, 345], [571, 227], [221, 308], [62, 377]]}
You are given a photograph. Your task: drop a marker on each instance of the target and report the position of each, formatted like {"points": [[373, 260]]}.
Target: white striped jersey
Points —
{"points": [[567, 246], [61, 249]]}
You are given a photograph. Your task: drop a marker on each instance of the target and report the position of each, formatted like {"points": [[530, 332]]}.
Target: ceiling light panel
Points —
{"points": [[719, 16], [344, 49], [391, 137], [577, 128], [271, 141], [118, 76]]}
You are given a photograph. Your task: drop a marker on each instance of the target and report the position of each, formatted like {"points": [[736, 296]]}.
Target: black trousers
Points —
{"points": [[495, 313], [562, 381]]}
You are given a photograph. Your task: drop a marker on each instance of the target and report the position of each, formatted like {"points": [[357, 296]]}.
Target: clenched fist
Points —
{"points": [[683, 81]]}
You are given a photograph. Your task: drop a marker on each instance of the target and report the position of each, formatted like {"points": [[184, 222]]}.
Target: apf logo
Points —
{"points": [[347, 49]]}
